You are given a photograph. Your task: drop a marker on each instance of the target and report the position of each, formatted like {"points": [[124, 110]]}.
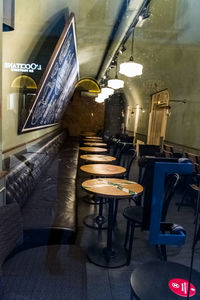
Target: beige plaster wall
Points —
{"points": [[168, 47]]}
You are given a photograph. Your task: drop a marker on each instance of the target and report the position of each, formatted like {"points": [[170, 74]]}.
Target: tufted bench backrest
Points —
{"points": [[21, 180]]}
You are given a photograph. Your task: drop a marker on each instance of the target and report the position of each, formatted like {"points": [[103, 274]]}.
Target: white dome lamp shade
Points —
{"points": [[115, 83], [131, 68], [100, 98]]}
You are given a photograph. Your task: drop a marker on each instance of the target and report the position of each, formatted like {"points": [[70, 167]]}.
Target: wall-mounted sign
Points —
{"points": [[57, 83], [21, 67]]}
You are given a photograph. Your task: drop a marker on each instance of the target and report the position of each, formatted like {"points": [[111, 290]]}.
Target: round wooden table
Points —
{"points": [[94, 137], [94, 144], [98, 158], [99, 221], [93, 149], [92, 140], [113, 189], [103, 169], [87, 133]]}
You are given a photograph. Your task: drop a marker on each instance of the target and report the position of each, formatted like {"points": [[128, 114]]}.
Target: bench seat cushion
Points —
{"points": [[52, 272], [52, 204]]}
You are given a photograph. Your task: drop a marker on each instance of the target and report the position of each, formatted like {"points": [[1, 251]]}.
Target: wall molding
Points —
{"points": [[178, 147], [22, 146]]}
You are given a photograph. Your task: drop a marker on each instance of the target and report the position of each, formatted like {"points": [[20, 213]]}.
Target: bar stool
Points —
{"points": [[163, 280]]}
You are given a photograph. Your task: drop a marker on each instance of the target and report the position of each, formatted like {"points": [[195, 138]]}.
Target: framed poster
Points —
{"points": [[57, 83]]}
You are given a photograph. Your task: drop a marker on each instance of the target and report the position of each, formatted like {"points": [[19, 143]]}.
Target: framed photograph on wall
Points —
{"points": [[57, 83]]}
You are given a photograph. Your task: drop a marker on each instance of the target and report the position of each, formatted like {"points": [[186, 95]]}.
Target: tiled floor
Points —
{"points": [[113, 284]]}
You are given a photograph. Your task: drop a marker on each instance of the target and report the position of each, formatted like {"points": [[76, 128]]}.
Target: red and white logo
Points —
{"points": [[180, 287]]}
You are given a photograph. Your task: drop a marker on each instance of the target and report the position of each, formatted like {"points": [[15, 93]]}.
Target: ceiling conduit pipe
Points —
{"points": [[134, 9]]}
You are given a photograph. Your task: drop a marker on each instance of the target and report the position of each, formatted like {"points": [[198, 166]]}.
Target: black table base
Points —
{"points": [[96, 222], [101, 256]]}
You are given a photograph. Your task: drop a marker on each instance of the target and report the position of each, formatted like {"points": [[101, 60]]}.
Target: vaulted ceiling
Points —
{"points": [[103, 24]]}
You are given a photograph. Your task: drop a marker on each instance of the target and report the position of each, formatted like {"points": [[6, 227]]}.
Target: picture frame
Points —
{"points": [[57, 83]]}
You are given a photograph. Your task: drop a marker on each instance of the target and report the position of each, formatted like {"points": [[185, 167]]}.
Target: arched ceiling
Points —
{"points": [[166, 44]]}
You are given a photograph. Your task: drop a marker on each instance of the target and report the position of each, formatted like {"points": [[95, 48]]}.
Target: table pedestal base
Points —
{"points": [[96, 222], [100, 256]]}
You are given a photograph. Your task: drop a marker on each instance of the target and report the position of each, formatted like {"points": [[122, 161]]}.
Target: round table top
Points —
{"points": [[92, 140], [112, 187], [103, 169], [87, 133], [94, 137], [98, 157], [93, 144], [93, 149]]}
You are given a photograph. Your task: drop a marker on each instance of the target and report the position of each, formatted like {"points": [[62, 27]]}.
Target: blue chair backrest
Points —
{"points": [[147, 183], [160, 172]]}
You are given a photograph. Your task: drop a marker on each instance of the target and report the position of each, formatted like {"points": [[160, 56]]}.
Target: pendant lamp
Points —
{"points": [[116, 83], [107, 91], [100, 98], [131, 68]]}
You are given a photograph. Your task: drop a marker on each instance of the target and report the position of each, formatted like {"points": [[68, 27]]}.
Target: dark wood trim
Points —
{"points": [[182, 146], [166, 89], [31, 141]]}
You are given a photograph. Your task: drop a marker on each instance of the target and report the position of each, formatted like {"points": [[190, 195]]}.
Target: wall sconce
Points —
{"points": [[137, 108]]}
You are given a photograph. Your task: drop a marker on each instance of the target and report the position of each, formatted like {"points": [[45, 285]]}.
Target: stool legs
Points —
{"points": [[129, 231], [163, 252], [127, 234]]}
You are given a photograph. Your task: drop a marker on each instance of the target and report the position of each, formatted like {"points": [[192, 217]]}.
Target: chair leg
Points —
{"points": [[127, 234], [140, 174], [130, 243], [182, 200], [115, 211], [163, 252], [197, 238]]}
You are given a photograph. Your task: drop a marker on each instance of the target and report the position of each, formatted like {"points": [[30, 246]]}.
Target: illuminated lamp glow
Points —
{"points": [[107, 91], [99, 100], [130, 69], [24, 81], [115, 83]]}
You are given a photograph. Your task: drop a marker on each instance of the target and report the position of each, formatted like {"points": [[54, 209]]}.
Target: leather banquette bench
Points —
{"points": [[43, 184], [37, 222], [40, 273]]}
